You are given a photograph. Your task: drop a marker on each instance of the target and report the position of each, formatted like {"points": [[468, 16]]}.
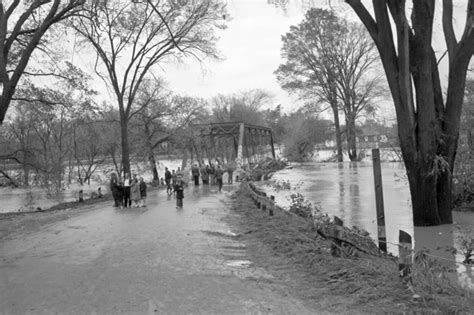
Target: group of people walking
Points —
{"points": [[213, 175], [131, 192]]}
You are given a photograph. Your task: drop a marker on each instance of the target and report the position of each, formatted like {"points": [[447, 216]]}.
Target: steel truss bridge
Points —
{"points": [[244, 143]]}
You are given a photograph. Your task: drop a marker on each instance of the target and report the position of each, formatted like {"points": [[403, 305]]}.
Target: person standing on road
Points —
{"points": [[211, 170], [142, 186], [114, 188], [219, 174], [230, 171], [174, 178], [135, 192], [179, 189], [195, 173], [204, 175], [168, 177], [126, 190], [120, 195]]}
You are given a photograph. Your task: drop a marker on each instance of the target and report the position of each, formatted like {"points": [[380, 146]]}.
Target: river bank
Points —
{"points": [[290, 249]]}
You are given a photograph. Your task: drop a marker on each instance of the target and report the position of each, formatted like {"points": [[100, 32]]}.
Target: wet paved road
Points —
{"points": [[141, 260]]}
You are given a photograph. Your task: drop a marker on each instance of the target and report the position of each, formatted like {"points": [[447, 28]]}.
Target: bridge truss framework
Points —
{"points": [[247, 141]]}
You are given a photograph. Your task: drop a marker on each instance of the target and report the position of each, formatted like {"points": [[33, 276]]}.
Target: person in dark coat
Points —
{"points": [[219, 173], [113, 188], [230, 170], [204, 175], [168, 177], [174, 178], [142, 192], [195, 173], [179, 190], [120, 194]]}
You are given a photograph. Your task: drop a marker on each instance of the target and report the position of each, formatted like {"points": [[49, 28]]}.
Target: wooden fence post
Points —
{"points": [[379, 200], [272, 205], [259, 202], [404, 253], [336, 247]]}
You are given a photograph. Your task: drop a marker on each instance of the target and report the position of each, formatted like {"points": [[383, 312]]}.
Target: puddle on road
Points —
{"points": [[235, 247], [227, 234], [239, 263]]}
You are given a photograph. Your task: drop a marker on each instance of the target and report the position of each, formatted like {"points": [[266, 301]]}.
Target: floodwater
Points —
{"points": [[342, 189], [29, 199], [347, 190]]}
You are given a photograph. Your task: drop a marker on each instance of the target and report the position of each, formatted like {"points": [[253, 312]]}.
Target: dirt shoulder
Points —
{"points": [[290, 249]]}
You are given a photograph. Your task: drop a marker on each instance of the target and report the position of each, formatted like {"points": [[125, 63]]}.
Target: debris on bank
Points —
{"points": [[262, 170]]}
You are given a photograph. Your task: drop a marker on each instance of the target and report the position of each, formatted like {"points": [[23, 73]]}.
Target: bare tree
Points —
{"points": [[309, 69], [23, 25], [357, 82], [130, 39], [304, 131], [163, 119], [241, 107], [329, 62]]}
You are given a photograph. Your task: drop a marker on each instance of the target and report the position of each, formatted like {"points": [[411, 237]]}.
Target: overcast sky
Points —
{"points": [[251, 48]]}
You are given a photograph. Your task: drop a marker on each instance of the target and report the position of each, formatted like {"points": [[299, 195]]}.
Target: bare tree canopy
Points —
{"points": [[131, 38], [23, 25], [331, 62], [240, 107]]}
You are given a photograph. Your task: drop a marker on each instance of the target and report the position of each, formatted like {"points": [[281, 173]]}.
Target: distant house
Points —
{"points": [[372, 141]]}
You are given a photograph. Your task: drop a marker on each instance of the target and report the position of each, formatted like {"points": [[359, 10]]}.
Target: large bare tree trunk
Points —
{"points": [[351, 139], [154, 169], [430, 195], [337, 125], [125, 145]]}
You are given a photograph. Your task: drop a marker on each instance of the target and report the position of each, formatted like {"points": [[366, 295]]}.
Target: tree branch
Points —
{"points": [[448, 29]]}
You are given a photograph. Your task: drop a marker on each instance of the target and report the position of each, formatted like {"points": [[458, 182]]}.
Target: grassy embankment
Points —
{"points": [[289, 247]]}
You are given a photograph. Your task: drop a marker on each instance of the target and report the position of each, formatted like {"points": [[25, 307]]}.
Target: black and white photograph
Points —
{"points": [[236, 157]]}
